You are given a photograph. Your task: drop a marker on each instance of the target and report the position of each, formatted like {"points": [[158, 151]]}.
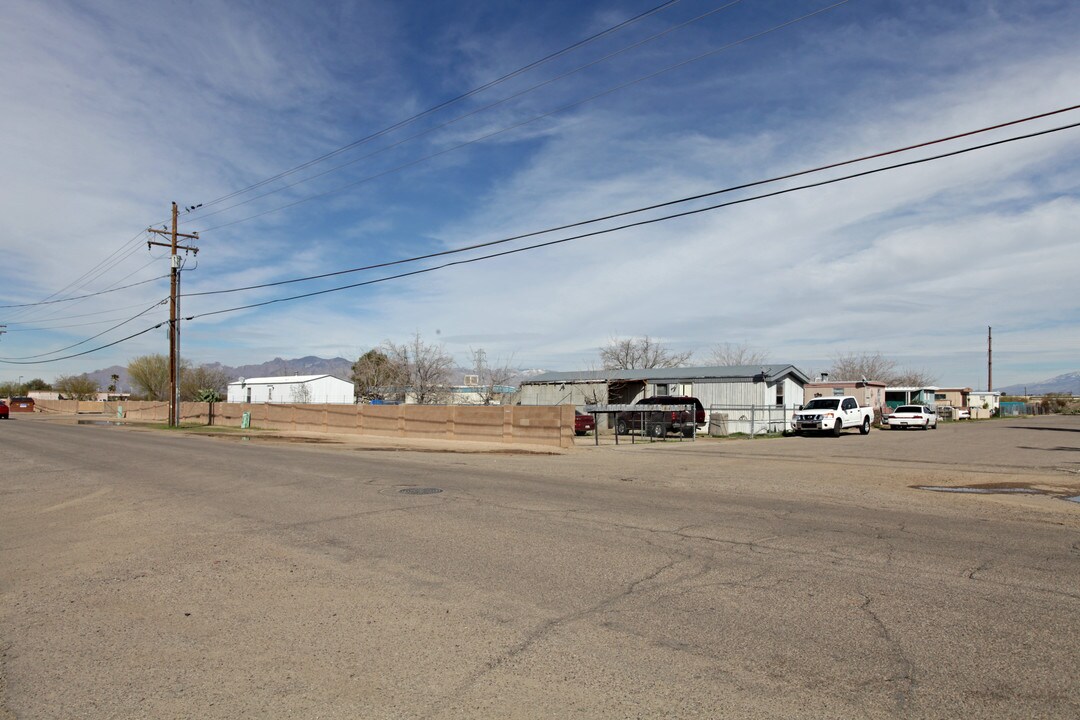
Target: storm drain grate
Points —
{"points": [[419, 491]]}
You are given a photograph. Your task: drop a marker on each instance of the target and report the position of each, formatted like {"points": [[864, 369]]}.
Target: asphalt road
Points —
{"points": [[157, 575]]}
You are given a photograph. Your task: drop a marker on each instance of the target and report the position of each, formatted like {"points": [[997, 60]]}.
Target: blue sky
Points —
{"points": [[115, 110]]}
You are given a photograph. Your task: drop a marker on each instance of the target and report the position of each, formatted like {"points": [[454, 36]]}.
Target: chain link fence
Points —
{"points": [[749, 419]]}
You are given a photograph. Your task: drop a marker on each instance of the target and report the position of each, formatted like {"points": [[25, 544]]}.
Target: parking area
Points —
{"points": [[775, 578]]}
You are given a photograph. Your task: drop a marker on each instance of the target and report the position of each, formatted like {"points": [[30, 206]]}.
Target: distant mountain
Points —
{"points": [[1067, 383], [310, 365]]}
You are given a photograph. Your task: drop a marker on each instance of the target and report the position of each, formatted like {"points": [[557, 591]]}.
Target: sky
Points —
{"points": [[324, 137]]}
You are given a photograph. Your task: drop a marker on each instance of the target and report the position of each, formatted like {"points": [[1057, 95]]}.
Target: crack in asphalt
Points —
{"points": [[905, 682], [542, 630]]}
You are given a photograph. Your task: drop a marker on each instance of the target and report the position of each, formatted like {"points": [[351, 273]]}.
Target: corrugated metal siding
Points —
{"points": [[735, 393]]}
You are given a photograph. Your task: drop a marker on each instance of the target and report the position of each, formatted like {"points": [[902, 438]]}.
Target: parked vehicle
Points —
{"points": [[913, 416], [963, 414], [659, 423], [3, 411], [21, 404], [583, 422], [832, 415]]}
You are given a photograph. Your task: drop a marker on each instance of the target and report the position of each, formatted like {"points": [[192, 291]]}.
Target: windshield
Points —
{"points": [[822, 404], [909, 409]]}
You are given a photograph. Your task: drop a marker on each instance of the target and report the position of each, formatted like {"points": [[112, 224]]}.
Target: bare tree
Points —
{"points": [[425, 369], [640, 353], [491, 378], [912, 378], [875, 366], [729, 355], [300, 393], [377, 377], [76, 387]]}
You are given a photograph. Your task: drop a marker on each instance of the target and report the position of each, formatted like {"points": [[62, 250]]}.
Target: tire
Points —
{"points": [[839, 426], [865, 428], [658, 430], [621, 428]]}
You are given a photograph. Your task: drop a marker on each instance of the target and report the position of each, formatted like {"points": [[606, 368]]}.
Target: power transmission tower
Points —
{"points": [[174, 303]]}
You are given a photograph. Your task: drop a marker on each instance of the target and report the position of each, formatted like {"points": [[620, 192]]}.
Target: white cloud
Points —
{"points": [[915, 262]]}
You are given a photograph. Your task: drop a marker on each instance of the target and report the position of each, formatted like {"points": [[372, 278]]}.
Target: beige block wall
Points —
{"points": [[534, 425]]}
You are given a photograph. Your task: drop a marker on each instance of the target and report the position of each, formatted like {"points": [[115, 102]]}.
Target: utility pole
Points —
{"points": [[174, 308], [989, 359]]}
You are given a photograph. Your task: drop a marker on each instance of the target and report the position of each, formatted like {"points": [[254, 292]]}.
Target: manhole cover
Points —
{"points": [[419, 491]]}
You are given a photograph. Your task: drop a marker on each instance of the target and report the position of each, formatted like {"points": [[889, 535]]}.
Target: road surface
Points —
{"points": [[148, 574]]}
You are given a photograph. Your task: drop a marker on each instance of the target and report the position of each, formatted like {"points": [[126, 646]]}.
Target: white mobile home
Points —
{"points": [[295, 389]]}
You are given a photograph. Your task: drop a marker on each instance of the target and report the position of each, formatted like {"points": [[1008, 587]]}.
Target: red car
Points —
{"points": [[583, 422], [3, 411]]}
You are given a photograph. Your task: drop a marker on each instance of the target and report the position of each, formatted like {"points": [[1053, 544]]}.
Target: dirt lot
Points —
{"points": [[146, 574]]}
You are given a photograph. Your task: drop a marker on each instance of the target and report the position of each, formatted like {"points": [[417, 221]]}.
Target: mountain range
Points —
{"points": [[1067, 383]]}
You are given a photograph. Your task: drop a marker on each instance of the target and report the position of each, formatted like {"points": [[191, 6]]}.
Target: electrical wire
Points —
{"points": [[87, 352], [590, 234], [550, 243], [402, 123], [529, 121], [93, 337], [447, 103], [471, 113], [84, 297], [668, 203], [649, 221], [74, 284]]}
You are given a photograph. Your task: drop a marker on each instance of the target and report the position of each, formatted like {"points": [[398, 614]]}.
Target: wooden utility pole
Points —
{"points": [[989, 359], [174, 304]]}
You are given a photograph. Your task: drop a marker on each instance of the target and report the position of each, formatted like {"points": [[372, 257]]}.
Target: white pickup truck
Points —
{"points": [[833, 415]]}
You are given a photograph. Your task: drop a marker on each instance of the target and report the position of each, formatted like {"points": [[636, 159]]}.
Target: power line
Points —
{"points": [[99, 266], [647, 208], [466, 115], [84, 297], [650, 221], [86, 352], [523, 123], [83, 342], [550, 243], [402, 123], [447, 103]]}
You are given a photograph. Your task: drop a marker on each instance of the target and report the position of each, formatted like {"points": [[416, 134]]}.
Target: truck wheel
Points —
{"points": [[837, 428], [621, 428], [865, 429], [658, 431], [688, 433]]}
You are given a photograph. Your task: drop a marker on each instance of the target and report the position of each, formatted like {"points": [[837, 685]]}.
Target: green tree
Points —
{"points": [[37, 384], [76, 387], [150, 376], [376, 377]]}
